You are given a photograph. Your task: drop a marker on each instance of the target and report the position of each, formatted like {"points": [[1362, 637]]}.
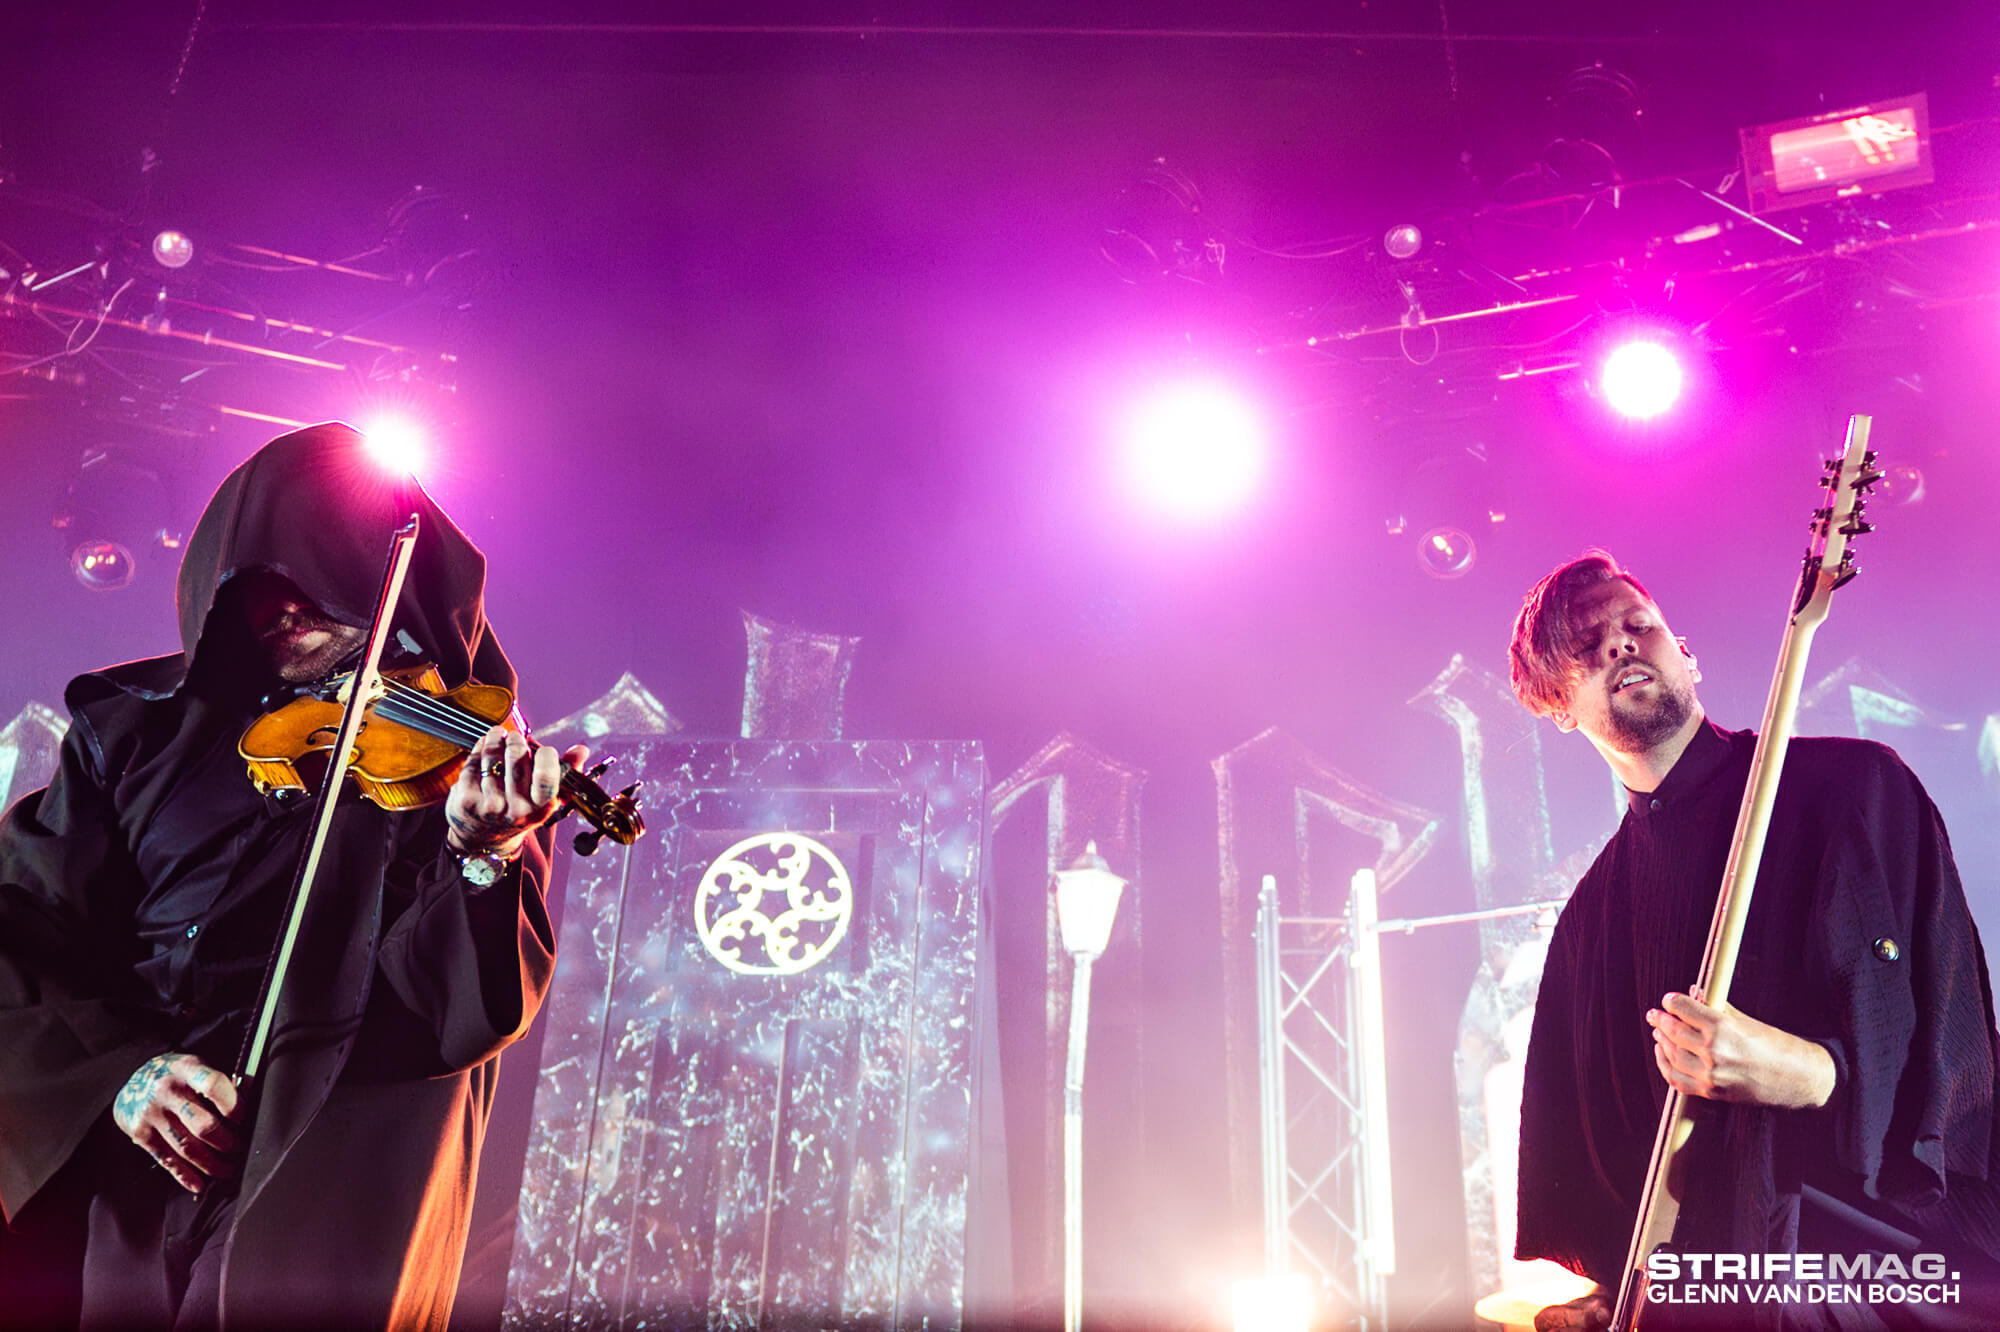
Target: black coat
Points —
{"points": [[356, 1191], [1858, 937]]}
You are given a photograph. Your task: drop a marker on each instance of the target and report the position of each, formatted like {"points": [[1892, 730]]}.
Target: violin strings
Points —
{"points": [[412, 700], [450, 721]]}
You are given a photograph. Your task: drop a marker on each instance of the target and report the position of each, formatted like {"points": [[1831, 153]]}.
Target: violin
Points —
{"points": [[414, 738]]}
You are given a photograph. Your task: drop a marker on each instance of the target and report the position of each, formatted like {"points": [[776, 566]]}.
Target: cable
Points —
{"points": [[78, 348], [1403, 343], [180, 72], [1337, 246]]}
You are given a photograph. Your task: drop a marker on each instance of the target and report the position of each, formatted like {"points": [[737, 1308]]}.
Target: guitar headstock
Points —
{"points": [[1829, 562]]}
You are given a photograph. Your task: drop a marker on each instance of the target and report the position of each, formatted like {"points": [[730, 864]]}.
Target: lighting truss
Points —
{"points": [[92, 315], [1325, 1128], [1324, 1070]]}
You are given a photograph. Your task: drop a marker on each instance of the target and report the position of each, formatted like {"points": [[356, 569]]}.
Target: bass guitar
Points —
{"points": [[1829, 563]]}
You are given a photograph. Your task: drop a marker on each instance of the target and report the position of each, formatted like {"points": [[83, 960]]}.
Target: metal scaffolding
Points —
{"points": [[1324, 1072], [1324, 1102]]}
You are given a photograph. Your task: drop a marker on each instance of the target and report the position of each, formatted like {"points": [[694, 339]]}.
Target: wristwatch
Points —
{"points": [[483, 869]]}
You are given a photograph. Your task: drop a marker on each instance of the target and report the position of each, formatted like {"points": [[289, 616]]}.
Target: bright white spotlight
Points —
{"points": [[396, 443], [1641, 379], [1272, 1304], [1195, 451]]}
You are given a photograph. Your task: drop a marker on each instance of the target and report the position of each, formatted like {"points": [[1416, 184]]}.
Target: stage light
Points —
{"points": [[1447, 552], [172, 249], [1160, 230], [1902, 484], [1403, 242], [396, 443], [1641, 379], [1869, 149], [1272, 1304], [1195, 451], [103, 566], [112, 518]]}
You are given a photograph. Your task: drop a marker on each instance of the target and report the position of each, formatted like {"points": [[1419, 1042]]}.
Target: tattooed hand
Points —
{"points": [[503, 793], [180, 1112]]}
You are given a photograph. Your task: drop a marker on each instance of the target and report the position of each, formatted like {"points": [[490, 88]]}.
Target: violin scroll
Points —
{"points": [[616, 817]]}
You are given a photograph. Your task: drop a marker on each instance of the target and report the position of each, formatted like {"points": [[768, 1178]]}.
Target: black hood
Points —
{"points": [[316, 507]]}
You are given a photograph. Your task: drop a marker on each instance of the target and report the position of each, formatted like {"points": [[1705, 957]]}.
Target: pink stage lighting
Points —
{"points": [[1195, 451], [396, 443], [1641, 379]]}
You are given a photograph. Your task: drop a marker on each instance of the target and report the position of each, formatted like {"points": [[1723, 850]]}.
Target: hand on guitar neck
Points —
{"points": [[1724, 1054]]}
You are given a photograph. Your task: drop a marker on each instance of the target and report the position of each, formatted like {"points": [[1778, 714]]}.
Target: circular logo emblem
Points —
{"points": [[773, 905]]}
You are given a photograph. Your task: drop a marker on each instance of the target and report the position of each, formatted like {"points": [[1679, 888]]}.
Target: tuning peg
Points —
{"points": [[627, 792], [599, 768], [586, 841], [1855, 527], [1845, 575]]}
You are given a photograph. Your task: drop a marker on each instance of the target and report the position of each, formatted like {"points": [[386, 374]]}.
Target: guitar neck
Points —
{"points": [[1753, 816], [1827, 566]]}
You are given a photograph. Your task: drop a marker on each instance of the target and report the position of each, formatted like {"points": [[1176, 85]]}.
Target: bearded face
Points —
{"points": [[1642, 716], [300, 642], [1633, 687]]}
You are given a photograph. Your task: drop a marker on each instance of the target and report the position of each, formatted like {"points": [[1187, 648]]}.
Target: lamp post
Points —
{"points": [[1086, 904]]}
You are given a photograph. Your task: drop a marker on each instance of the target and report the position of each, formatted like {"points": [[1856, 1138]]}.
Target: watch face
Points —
{"points": [[479, 871]]}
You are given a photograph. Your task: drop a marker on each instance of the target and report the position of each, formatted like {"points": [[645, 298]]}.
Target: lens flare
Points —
{"points": [[1195, 451], [1641, 379]]}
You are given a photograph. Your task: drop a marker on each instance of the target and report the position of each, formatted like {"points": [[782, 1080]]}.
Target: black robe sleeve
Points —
{"points": [[473, 963], [1906, 977], [1565, 1211], [70, 1032]]}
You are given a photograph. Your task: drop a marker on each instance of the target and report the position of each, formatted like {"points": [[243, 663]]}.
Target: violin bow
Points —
{"points": [[367, 683]]}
